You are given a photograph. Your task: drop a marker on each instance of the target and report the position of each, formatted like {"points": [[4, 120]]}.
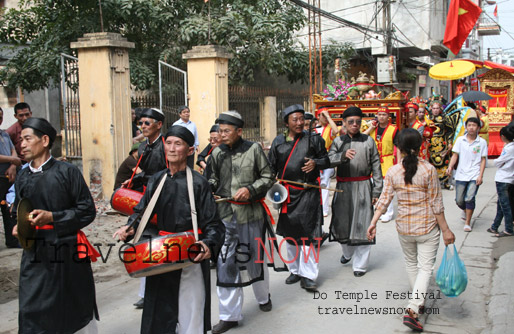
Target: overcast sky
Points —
{"points": [[506, 21]]}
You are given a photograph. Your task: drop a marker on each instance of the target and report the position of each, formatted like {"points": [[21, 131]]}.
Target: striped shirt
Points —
{"points": [[418, 203]]}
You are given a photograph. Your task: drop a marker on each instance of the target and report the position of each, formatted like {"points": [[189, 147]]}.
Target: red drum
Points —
{"points": [[160, 255], [124, 200]]}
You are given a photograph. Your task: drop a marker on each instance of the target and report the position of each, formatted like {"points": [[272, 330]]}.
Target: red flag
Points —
{"points": [[462, 16], [496, 11]]}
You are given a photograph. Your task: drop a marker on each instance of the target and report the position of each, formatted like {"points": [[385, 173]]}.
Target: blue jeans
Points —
{"points": [[503, 208], [465, 192]]}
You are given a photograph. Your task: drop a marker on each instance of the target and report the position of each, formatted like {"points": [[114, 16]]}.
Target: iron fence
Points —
{"points": [[70, 106]]}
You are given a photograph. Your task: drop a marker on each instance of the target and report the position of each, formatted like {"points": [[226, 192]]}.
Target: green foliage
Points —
{"points": [[259, 33]]}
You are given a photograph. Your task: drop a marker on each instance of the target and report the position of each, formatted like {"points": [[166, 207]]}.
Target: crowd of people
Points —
{"points": [[226, 207]]}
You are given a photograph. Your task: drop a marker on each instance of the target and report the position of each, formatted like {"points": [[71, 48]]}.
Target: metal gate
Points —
{"points": [[70, 106], [172, 91]]}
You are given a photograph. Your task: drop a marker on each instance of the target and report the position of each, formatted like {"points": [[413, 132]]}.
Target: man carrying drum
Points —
{"points": [[241, 172], [179, 301]]}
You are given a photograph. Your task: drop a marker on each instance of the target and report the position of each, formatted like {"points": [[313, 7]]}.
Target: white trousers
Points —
{"points": [[191, 301], [231, 299], [388, 215], [304, 266], [325, 176], [90, 328], [420, 252], [142, 284], [359, 256]]}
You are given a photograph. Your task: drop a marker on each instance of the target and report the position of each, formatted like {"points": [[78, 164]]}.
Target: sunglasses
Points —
{"points": [[352, 121], [147, 123]]}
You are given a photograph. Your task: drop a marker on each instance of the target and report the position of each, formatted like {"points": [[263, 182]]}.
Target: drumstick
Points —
{"points": [[310, 185], [223, 199]]}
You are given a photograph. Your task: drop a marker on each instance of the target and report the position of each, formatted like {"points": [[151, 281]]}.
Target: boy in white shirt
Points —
{"points": [[504, 179], [471, 152]]}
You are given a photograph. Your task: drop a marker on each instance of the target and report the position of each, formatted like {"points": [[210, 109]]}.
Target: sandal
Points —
{"points": [[503, 234], [467, 228], [491, 230]]}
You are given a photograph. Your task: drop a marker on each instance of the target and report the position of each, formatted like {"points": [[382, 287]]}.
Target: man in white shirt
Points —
{"points": [[471, 152], [184, 121]]}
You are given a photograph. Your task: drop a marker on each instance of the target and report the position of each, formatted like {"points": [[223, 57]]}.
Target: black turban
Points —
{"points": [[308, 116], [153, 113], [42, 125], [292, 109], [225, 118], [181, 132], [215, 128], [352, 111]]}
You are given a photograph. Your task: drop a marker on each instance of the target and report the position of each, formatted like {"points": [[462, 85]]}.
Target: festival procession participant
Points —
{"points": [[471, 152], [204, 156], [241, 172], [185, 113], [309, 117], [298, 156], [439, 150], [152, 159], [57, 289], [328, 131], [357, 160], [384, 135], [179, 301], [127, 167], [412, 119], [420, 219]]}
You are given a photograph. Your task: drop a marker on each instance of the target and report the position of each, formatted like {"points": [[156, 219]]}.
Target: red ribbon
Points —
{"points": [[261, 201], [84, 247], [351, 179]]}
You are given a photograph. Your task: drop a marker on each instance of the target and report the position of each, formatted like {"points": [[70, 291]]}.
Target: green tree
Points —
{"points": [[260, 34]]}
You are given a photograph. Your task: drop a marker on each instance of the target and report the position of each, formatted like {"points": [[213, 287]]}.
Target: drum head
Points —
{"points": [[26, 232]]}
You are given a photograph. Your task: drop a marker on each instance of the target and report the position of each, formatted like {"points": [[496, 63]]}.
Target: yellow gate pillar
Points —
{"points": [[207, 76], [105, 118]]}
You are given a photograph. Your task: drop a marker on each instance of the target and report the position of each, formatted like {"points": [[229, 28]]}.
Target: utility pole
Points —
{"points": [[387, 28], [488, 53]]}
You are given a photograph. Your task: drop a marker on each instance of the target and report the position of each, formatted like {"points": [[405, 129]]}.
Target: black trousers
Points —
{"points": [[9, 222]]}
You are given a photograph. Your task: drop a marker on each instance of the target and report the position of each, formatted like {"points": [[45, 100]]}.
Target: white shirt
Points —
{"points": [[505, 164], [191, 127], [40, 168], [470, 156]]}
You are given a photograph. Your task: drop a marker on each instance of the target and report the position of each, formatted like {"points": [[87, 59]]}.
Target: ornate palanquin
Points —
{"points": [[500, 85]]}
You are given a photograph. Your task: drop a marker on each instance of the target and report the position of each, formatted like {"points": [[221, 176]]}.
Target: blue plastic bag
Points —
{"points": [[452, 277]]}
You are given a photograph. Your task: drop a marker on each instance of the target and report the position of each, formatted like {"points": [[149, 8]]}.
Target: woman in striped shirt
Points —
{"points": [[420, 218]]}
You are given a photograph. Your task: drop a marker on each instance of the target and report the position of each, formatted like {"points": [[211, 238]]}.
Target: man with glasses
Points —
{"points": [[357, 160], [204, 156], [152, 159], [241, 173], [21, 112]]}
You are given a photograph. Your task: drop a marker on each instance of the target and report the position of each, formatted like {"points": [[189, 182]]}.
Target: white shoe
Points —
{"points": [[325, 214], [463, 215], [467, 228]]}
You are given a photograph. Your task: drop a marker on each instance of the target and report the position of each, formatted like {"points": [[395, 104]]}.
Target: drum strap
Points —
{"points": [[149, 209], [192, 203]]}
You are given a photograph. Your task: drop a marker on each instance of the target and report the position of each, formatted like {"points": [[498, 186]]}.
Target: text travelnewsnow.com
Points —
{"points": [[358, 299]]}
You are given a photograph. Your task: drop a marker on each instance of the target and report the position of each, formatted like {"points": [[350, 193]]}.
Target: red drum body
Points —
{"points": [[124, 200], [160, 255]]}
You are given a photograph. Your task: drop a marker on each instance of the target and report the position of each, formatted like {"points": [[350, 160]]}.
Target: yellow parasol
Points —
{"points": [[451, 70]]}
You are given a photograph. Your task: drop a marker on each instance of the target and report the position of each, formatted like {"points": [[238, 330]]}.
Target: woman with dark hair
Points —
{"points": [[420, 218]]}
